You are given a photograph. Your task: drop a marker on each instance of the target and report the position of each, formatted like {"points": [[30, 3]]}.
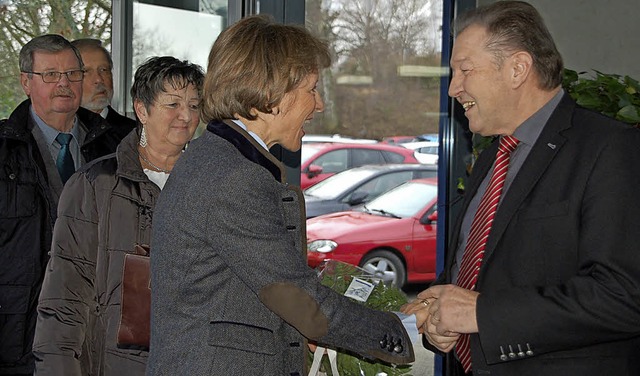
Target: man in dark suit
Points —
{"points": [[44, 140], [554, 287], [97, 86]]}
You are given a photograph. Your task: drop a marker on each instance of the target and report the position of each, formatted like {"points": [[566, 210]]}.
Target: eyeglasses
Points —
{"points": [[53, 76]]}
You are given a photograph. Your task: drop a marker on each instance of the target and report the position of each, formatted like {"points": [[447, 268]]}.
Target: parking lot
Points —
{"points": [[423, 366]]}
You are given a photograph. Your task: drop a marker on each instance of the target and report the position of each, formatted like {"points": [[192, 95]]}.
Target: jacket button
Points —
{"points": [[529, 351], [384, 342], [390, 344], [12, 176]]}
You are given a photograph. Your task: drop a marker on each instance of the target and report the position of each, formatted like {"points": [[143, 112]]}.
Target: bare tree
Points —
{"points": [[21, 20], [371, 39]]}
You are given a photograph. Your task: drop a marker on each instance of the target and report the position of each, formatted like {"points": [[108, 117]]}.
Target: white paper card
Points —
{"points": [[359, 289]]}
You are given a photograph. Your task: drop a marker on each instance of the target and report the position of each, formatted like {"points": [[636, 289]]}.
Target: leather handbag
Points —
{"points": [[135, 317]]}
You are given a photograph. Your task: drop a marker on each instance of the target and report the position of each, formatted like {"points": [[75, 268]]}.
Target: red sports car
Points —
{"points": [[392, 236]]}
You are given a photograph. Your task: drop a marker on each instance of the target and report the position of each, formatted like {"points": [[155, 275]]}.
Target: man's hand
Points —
{"points": [[452, 309], [443, 313]]}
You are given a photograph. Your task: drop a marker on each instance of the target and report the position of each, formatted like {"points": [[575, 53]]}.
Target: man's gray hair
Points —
{"points": [[45, 43]]}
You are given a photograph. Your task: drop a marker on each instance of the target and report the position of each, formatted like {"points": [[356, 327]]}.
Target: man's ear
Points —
{"points": [[521, 65], [25, 82]]}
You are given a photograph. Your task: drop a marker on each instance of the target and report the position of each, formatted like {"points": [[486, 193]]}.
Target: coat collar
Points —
{"points": [[18, 125], [127, 155], [247, 146]]}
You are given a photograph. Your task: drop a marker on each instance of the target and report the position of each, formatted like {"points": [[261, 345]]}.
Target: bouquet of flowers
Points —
{"points": [[365, 289]]}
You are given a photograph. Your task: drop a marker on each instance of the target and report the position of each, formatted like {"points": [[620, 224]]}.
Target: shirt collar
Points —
{"points": [[51, 133], [104, 112], [531, 128], [252, 134]]}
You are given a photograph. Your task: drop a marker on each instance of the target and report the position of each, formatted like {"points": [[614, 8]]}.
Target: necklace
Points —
{"points": [[152, 165]]}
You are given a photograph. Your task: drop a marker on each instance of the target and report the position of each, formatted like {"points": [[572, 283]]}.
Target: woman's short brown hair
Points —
{"points": [[254, 63]]}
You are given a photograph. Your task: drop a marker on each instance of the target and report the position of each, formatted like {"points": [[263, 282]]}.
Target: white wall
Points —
{"points": [[594, 34]]}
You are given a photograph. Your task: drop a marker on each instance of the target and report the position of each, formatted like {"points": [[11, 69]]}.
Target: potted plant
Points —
{"points": [[610, 94]]}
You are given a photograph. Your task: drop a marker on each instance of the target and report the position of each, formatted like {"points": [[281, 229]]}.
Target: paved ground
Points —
{"points": [[423, 365]]}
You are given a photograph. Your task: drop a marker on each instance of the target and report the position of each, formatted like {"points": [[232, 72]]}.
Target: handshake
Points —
{"points": [[443, 313]]}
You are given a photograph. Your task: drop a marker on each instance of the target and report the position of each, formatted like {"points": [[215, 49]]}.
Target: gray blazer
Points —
{"points": [[231, 290]]}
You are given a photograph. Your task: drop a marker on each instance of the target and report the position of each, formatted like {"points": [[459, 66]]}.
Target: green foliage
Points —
{"points": [[610, 94], [337, 276]]}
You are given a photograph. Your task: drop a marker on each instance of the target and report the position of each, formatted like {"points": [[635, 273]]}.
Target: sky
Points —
{"points": [[179, 33]]}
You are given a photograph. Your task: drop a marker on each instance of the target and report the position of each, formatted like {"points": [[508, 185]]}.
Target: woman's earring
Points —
{"points": [[143, 138]]}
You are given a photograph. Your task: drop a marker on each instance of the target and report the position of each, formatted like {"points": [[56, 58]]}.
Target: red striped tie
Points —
{"points": [[480, 229]]}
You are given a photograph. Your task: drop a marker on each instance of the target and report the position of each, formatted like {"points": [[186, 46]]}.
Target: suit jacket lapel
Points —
{"points": [[542, 153]]}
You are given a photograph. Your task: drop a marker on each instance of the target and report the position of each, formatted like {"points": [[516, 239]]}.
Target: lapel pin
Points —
{"points": [[552, 146]]}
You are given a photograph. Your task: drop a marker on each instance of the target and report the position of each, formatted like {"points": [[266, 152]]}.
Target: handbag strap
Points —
{"points": [[317, 357]]}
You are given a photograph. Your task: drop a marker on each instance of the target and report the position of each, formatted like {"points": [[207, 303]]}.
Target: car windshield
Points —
{"points": [[335, 185], [307, 151], [404, 201]]}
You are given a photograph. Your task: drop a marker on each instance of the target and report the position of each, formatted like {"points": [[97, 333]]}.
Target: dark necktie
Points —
{"points": [[480, 229], [64, 162]]}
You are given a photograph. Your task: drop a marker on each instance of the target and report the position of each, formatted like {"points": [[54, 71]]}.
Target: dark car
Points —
{"points": [[321, 160], [359, 185]]}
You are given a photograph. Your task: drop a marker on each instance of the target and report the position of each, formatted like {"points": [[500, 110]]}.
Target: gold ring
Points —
{"points": [[425, 302]]}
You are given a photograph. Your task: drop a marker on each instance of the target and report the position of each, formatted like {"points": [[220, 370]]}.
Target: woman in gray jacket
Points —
{"points": [[106, 210], [231, 290]]}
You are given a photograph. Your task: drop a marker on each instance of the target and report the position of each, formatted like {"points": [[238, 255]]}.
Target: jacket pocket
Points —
{"points": [[14, 304], [18, 199], [555, 209], [241, 336]]}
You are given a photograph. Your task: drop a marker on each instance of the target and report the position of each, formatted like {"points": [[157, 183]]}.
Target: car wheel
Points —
{"points": [[386, 266]]}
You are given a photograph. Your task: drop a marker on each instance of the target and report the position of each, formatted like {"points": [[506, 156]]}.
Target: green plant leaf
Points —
{"points": [[629, 114], [610, 94]]}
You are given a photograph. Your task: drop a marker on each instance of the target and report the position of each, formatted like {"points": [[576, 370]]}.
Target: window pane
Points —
{"points": [[361, 157], [333, 161], [183, 29], [393, 157], [186, 30], [385, 76]]}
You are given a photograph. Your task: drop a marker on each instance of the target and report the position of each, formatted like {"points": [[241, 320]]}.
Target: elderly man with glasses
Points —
{"points": [[44, 140]]}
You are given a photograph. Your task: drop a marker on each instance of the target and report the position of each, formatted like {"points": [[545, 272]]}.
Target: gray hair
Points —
{"points": [[88, 44], [46, 43]]}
